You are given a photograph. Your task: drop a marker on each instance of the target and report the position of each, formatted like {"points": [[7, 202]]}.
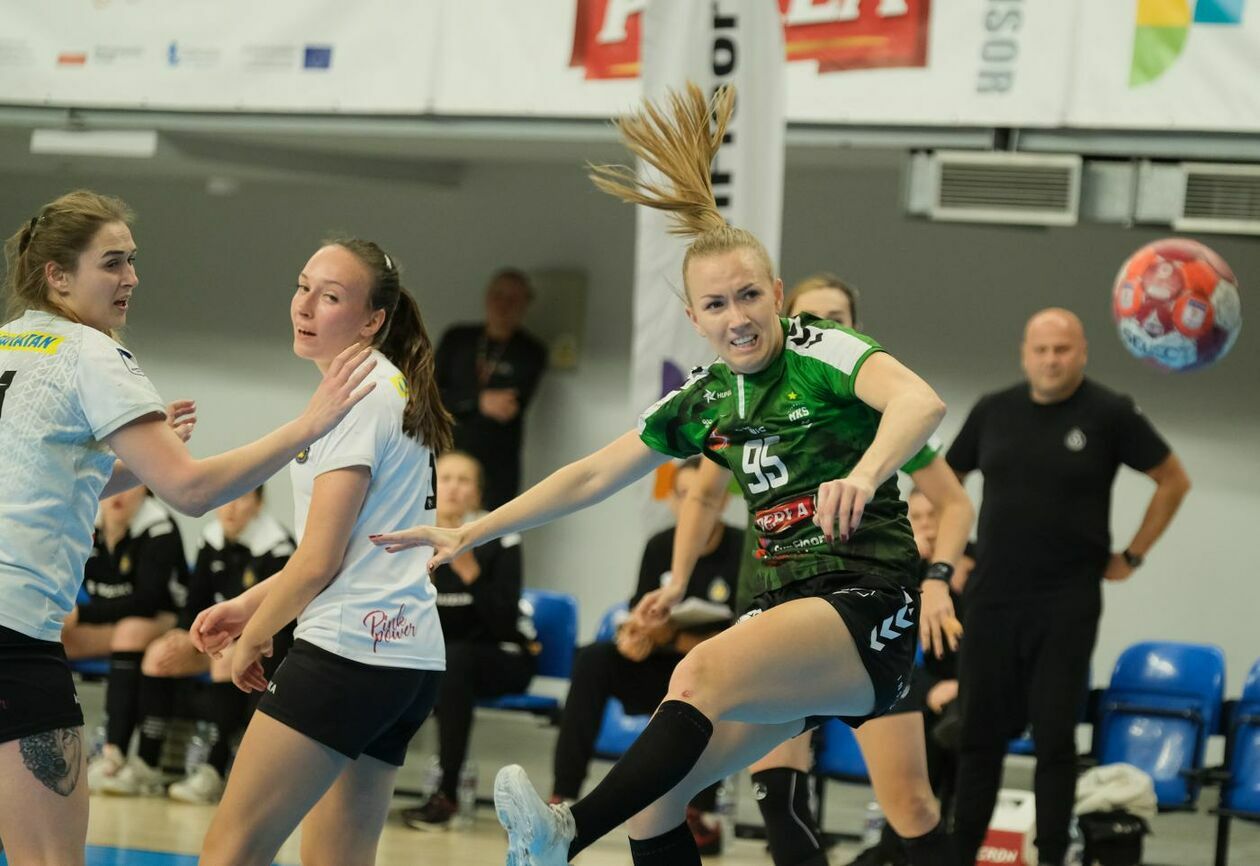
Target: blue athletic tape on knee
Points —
{"points": [[656, 761], [676, 847]]}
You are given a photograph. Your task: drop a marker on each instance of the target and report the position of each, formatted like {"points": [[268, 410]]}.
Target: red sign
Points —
{"points": [[838, 34]]}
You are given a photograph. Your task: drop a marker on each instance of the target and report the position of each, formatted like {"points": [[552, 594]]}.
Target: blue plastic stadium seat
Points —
{"points": [[608, 622], [1163, 703], [617, 730], [91, 669], [1240, 787], [838, 754], [555, 617]]}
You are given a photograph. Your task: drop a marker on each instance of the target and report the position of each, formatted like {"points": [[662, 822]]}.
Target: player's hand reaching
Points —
{"points": [[840, 504], [446, 543], [181, 416], [337, 394], [217, 626]]}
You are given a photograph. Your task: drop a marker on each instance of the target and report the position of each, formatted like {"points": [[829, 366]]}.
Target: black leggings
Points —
{"points": [[1023, 664], [473, 670]]}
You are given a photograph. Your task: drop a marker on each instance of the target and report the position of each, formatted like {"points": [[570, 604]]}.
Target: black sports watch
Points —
{"points": [[1133, 560], [939, 571]]}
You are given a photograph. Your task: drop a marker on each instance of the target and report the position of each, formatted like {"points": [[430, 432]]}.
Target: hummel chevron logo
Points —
{"points": [[887, 630]]}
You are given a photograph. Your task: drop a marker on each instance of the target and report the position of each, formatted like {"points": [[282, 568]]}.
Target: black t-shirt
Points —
{"points": [[488, 609], [517, 364], [225, 569], [145, 572], [713, 579], [1048, 472]]}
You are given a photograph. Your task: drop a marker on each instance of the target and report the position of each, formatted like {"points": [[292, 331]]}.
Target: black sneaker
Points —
{"points": [[433, 815]]}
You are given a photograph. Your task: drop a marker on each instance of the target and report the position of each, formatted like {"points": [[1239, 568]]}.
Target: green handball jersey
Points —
{"points": [[783, 432]]}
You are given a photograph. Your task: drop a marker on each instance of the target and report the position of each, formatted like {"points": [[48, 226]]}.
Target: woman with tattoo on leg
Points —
{"points": [[71, 398]]}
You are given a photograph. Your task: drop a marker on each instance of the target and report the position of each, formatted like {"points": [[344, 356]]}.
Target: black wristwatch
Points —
{"points": [[1133, 560], [939, 571]]}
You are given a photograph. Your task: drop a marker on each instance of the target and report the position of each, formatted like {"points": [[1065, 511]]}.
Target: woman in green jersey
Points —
{"points": [[893, 744], [814, 420]]}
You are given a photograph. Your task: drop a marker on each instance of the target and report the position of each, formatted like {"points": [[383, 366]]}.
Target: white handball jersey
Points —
{"points": [[64, 388], [380, 608]]}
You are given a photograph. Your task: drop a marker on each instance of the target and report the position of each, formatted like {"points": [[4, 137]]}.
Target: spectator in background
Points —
{"points": [[487, 655], [636, 666], [1049, 449], [487, 374], [241, 547], [135, 582]]}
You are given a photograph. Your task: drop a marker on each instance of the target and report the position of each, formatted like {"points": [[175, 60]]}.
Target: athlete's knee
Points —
{"points": [[701, 680], [912, 809]]}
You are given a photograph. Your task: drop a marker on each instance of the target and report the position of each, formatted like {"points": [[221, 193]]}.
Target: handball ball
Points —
{"points": [[1176, 305]]}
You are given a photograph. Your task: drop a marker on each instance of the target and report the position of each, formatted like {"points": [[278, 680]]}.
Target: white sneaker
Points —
{"points": [[538, 834], [201, 787], [103, 766], [135, 779]]}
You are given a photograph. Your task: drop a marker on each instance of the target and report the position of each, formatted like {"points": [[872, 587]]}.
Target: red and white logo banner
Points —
{"points": [[837, 34]]}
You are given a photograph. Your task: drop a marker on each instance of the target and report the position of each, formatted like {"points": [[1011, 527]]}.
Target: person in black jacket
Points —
{"points": [[487, 373], [241, 547], [487, 655], [135, 582]]}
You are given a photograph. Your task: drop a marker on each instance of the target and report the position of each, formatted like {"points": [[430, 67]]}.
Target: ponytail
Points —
{"points": [[407, 345], [405, 341], [680, 138]]}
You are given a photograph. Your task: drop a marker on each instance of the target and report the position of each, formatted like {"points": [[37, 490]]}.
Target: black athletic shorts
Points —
{"points": [[883, 618], [36, 689], [351, 707]]}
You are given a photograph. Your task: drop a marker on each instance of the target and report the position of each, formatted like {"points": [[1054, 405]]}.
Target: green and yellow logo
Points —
{"points": [[31, 341], [1163, 26], [400, 385]]}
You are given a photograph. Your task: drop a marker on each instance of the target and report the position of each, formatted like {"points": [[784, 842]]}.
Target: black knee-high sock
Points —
{"points": [[931, 849], [782, 795], [122, 698], [156, 705], [228, 711], [675, 848], [659, 759]]}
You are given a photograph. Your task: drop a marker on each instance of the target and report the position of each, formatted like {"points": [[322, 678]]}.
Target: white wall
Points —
{"points": [[210, 322]]}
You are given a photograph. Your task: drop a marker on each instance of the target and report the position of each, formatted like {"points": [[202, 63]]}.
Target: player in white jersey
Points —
{"points": [[72, 399], [333, 724]]}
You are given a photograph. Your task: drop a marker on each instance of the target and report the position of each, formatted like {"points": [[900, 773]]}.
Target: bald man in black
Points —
{"points": [[1049, 449]]}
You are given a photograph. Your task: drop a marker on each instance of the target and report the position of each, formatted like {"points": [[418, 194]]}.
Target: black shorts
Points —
{"points": [[350, 707], [36, 688], [882, 617]]}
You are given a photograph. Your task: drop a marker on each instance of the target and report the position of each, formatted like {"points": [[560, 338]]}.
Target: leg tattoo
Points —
{"points": [[54, 757]]}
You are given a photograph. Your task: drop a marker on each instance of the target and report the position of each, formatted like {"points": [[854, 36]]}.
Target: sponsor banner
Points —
{"points": [[839, 34], [968, 62], [375, 56], [1167, 64], [727, 41]]}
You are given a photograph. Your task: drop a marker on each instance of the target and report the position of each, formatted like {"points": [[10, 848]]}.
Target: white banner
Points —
{"points": [[1167, 65], [727, 41], [372, 56]]}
